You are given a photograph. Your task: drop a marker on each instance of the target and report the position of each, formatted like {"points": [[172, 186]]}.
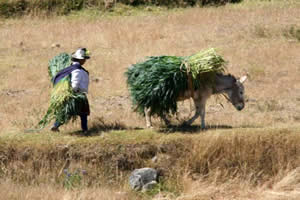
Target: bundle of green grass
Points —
{"points": [[63, 100], [157, 82]]}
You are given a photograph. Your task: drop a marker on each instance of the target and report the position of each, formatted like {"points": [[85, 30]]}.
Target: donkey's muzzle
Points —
{"points": [[240, 106]]}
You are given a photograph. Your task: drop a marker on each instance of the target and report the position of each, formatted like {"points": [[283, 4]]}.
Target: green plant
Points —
{"points": [[73, 180]]}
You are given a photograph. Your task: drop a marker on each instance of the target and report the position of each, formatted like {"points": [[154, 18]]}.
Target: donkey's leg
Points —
{"points": [[165, 119], [200, 111], [202, 114], [196, 115], [148, 117]]}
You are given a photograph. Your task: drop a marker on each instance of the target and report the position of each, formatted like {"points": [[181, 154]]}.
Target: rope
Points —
{"points": [[190, 78], [226, 97]]}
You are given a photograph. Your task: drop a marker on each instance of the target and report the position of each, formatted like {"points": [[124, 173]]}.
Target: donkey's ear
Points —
{"points": [[243, 79]]}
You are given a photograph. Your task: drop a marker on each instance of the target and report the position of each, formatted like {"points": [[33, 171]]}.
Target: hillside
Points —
{"points": [[17, 8]]}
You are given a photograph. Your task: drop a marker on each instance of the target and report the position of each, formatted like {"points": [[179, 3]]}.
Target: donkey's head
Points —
{"points": [[236, 93]]}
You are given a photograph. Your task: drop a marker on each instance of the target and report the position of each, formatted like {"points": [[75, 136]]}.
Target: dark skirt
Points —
{"points": [[82, 106]]}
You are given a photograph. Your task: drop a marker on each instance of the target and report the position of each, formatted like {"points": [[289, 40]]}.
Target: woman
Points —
{"points": [[79, 83]]}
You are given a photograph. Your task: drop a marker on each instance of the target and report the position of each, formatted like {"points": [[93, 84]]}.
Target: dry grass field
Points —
{"points": [[252, 154]]}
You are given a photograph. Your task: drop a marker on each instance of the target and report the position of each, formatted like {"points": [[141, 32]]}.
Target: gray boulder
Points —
{"points": [[143, 179]]}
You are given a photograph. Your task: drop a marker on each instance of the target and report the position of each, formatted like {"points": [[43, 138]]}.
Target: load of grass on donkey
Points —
{"points": [[63, 99], [158, 81]]}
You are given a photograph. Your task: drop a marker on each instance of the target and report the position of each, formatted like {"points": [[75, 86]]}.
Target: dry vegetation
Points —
{"points": [[252, 154], [17, 8]]}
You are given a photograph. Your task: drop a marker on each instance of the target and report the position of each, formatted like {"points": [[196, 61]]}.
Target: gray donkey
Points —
{"points": [[224, 84]]}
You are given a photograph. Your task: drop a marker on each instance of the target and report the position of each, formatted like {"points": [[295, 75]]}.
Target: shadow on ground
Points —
{"points": [[99, 126], [191, 129]]}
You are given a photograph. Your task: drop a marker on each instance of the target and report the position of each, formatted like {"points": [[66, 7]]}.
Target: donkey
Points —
{"points": [[224, 84]]}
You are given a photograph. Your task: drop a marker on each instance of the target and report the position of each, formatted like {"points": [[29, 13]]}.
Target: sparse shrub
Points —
{"points": [[256, 71], [73, 179], [162, 187], [261, 31], [296, 118], [269, 106], [292, 32]]}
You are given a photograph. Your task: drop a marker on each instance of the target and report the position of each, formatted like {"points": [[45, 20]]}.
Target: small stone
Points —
{"points": [[55, 45], [154, 159]]}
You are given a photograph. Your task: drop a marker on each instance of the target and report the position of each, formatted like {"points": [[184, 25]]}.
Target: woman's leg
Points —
{"points": [[84, 122], [55, 127]]}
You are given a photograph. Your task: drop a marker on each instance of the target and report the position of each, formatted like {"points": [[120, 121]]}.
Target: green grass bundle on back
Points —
{"points": [[58, 63], [63, 101], [157, 82]]}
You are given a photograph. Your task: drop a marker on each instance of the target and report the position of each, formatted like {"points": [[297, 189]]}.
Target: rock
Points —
{"points": [[143, 179], [96, 79], [55, 45]]}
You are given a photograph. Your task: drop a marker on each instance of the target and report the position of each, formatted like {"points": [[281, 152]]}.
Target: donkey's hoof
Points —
{"points": [[185, 123], [167, 122]]}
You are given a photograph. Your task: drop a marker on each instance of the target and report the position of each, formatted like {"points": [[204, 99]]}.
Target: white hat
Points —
{"points": [[80, 54]]}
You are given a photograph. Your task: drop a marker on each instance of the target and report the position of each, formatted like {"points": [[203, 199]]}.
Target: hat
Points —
{"points": [[81, 53]]}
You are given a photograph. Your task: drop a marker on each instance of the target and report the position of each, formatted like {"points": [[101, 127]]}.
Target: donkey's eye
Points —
{"points": [[241, 92]]}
